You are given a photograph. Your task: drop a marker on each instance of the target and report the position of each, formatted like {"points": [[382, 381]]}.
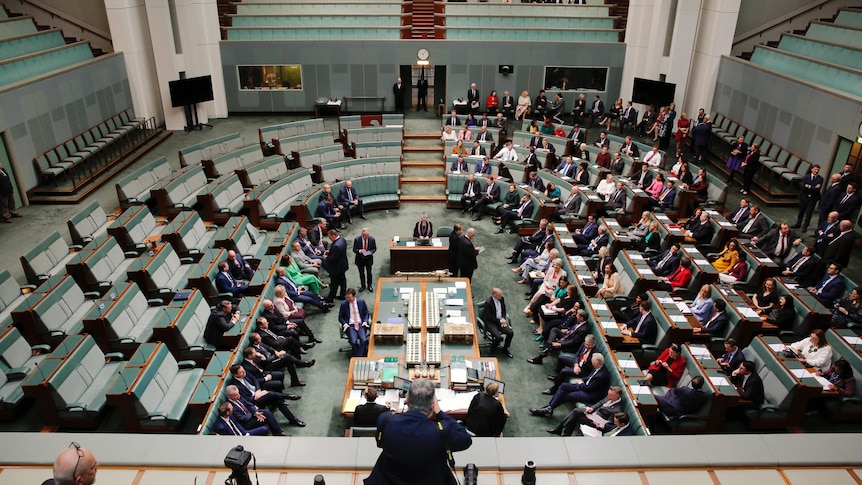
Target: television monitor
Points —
{"points": [[193, 90], [656, 93], [402, 384], [500, 384]]}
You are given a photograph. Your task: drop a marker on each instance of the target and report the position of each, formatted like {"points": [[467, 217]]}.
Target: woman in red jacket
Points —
{"points": [[667, 369]]}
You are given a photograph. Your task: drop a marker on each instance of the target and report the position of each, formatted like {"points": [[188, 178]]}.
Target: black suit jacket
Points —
{"points": [[846, 209], [357, 249], [839, 250], [336, 260], [466, 254], [804, 275], [646, 177], [580, 137], [489, 312], [218, 323], [769, 242], [485, 416], [477, 188], [648, 330], [703, 233], [367, 414], [752, 390], [478, 151], [830, 199], [669, 267]]}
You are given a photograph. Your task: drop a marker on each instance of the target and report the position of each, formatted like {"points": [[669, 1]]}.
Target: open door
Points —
{"points": [[440, 87]]}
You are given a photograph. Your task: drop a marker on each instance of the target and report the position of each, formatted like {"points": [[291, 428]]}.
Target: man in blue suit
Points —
{"points": [[250, 416], [714, 326], [643, 326], [600, 240], [801, 267], [250, 389], [239, 268], [665, 263], [226, 425], [586, 234], [683, 400], [349, 198], [666, 197], [592, 389], [566, 168], [830, 288], [226, 283], [732, 357], [355, 320], [336, 264], [327, 210], [296, 293], [415, 443], [490, 194]]}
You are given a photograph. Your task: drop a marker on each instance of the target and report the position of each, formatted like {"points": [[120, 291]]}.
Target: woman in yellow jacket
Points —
{"points": [[728, 257]]}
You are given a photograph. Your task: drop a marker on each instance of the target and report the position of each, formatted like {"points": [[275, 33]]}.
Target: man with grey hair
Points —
{"points": [[591, 389], [418, 444], [305, 262], [496, 322], [364, 247], [467, 253], [75, 465]]}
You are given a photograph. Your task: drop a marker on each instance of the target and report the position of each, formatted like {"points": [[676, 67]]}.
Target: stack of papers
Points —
{"points": [[601, 307], [853, 340], [699, 351], [454, 302], [719, 381]]}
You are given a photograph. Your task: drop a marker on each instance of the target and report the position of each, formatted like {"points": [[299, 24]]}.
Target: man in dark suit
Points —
{"points": [[666, 197], [453, 120], [471, 192], [599, 415], [226, 283], [572, 203], [577, 135], [777, 242], [368, 413], [415, 443], [830, 288], [336, 264], [826, 232], [529, 242], [499, 123], [269, 380], [592, 389], [629, 116], [801, 267], [473, 99], [586, 233], [846, 176], [250, 389], [702, 232], [250, 416], [495, 318], [570, 336], [749, 386], [364, 246], [536, 140], [848, 203], [546, 145], [532, 161], [617, 200], [643, 327], [700, 136], [458, 165], [713, 326], [830, 197], [467, 253], [809, 195], [566, 168], [349, 198], [666, 262], [484, 136], [644, 178], [732, 357], [317, 236], [597, 110], [222, 319], [398, 91], [239, 268], [509, 215], [569, 367], [740, 214], [7, 197], [422, 94], [327, 209], [227, 425], [536, 182], [678, 401], [507, 105], [490, 195], [600, 240], [839, 249], [454, 243], [269, 358], [278, 333], [477, 149], [355, 320]]}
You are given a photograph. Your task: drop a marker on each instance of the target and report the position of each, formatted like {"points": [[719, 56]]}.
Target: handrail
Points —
{"points": [[77, 22], [778, 21]]}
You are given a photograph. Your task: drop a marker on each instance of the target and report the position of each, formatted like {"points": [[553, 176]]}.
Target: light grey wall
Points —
{"points": [[797, 116], [44, 113], [369, 68]]}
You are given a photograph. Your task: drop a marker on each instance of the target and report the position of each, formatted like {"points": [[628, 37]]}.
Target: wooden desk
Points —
{"points": [[418, 258]]}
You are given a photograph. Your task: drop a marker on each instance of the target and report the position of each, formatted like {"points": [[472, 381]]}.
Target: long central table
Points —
{"points": [[394, 326]]}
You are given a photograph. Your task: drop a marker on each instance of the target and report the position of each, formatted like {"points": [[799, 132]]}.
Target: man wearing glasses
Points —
{"points": [[75, 465]]}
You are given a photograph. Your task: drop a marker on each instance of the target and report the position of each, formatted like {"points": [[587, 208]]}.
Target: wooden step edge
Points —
{"points": [[408, 136], [423, 163], [423, 198], [423, 180], [420, 149]]}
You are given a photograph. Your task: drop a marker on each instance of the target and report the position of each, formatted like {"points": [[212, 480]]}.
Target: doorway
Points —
{"points": [[427, 73]]}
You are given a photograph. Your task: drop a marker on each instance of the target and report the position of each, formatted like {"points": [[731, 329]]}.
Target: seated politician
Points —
{"points": [[366, 415], [355, 320], [486, 415]]}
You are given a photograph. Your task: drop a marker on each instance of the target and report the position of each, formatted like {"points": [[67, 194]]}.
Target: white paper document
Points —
{"points": [[454, 302], [678, 318], [777, 347], [665, 300], [636, 257], [640, 390], [453, 313], [601, 307], [719, 380], [451, 319], [567, 241], [461, 284], [411, 244], [853, 340], [609, 325], [436, 242], [698, 351], [801, 373]]}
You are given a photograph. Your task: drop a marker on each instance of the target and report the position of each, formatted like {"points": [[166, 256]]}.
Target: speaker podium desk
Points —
{"points": [[418, 311], [408, 255]]}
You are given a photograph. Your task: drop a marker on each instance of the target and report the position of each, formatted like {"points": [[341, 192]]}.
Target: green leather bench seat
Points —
{"points": [[163, 390], [779, 388], [38, 63], [311, 33], [377, 149], [188, 234], [306, 141], [375, 133], [319, 156], [273, 202], [821, 49], [133, 227], [283, 130], [90, 221], [126, 321], [163, 274], [358, 19], [813, 70], [844, 409], [270, 169], [17, 361], [232, 161], [46, 258], [181, 192], [10, 294], [349, 168], [102, 267], [135, 187], [206, 150], [222, 198]]}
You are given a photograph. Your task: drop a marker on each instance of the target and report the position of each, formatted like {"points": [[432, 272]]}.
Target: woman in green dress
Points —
{"points": [[293, 270]]}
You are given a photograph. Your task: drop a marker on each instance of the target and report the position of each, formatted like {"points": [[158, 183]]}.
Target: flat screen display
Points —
{"points": [[656, 93], [192, 90]]}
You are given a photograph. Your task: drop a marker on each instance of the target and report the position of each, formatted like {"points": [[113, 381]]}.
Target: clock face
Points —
{"points": [[423, 54]]}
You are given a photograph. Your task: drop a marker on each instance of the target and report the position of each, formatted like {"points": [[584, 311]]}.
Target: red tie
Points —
{"points": [[365, 244]]}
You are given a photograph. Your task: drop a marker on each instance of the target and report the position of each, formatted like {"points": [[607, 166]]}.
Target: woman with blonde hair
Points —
{"points": [[286, 307], [548, 285], [465, 134], [524, 104], [702, 305]]}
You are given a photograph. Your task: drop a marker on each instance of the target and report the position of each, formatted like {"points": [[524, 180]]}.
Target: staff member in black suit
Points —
{"points": [[367, 414], [398, 91], [7, 197], [336, 264], [423, 228], [220, 321], [422, 94], [749, 386], [473, 99], [364, 246], [486, 416], [809, 195], [830, 197], [839, 249], [494, 316], [467, 253], [454, 243]]}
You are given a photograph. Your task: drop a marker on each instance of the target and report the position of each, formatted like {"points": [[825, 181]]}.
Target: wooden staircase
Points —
{"points": [[425, 170], [620, 9], [422, 22]]}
